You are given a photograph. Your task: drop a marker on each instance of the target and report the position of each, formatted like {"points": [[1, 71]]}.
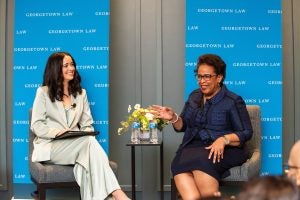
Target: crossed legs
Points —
{"points": [[195, 185]]}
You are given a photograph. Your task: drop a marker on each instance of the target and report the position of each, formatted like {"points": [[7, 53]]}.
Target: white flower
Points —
{"points": [[149, 116], [119, 130], [129, 108], [137, 106], [143, 115]]}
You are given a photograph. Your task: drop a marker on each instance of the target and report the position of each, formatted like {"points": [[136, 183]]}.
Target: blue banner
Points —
{"points": [[41, 28], [248, 36]]}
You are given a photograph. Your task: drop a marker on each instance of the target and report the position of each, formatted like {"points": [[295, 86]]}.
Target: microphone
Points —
{"points": [[73, 105]]}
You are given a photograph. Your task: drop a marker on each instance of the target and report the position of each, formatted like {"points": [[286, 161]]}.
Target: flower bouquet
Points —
{"points": [[142, 115]]}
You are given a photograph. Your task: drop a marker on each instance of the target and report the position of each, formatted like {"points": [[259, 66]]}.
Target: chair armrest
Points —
{"points": [[251, 167], [247, 170]]}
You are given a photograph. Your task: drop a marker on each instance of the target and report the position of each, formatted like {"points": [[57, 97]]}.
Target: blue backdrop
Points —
{"points": [[41, 28], [247, 35]]}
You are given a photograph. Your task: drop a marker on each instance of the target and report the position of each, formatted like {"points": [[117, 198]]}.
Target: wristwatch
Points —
{"points": [[227, 141]]}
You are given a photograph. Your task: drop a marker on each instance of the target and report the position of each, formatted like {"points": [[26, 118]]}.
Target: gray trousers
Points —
{"points": [[91, 166]]}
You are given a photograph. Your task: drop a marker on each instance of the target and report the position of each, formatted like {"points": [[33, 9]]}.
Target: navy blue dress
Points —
{"points": [[222, 114]]}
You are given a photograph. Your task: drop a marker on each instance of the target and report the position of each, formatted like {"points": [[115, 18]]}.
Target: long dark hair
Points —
{"points": [[53, 77]]}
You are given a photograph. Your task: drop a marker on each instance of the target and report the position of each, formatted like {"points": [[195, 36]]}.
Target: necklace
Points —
{"points": [[66, 95]]}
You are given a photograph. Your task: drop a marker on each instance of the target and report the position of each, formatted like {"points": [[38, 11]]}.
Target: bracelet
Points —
{"points": [[175, 119], [227, 141]]}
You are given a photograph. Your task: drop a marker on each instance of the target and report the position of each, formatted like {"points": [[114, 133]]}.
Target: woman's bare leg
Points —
{"points": [[187, 186], [206, 184]]}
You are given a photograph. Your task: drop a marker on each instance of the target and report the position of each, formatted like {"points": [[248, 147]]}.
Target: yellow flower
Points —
{"points": [[141, 115]]}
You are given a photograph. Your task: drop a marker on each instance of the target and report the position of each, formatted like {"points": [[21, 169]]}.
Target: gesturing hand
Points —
{"points": [[162, 112], [216, 150]]}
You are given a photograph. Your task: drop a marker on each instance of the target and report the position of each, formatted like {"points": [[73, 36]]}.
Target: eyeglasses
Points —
{"points": [[287, 167], [205, 77]]}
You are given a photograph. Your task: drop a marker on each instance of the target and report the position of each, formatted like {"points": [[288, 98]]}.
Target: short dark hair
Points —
{"points": [[53, 77], [269, 188], [215, 61]]}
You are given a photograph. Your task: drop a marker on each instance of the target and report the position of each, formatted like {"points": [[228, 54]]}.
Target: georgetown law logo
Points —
{"points": [[101, 85], [25, 67], [36, 49], [21, 32], [210, 45], [19, 176], [102, 140], [236, 82], [256, 64], [245, 28], [72, 31], [92, 103], [102, 13], [269, 46], [92, 67], [271, 137], [257, 101], [274, 155], [20, 140], [271, 119], [20, 103], [190, 64], [274, 82], [32, 85], [222, 10], [274, 12], [95, 48], [101, 122], [49, 14], [20, 122], [192, 28]]}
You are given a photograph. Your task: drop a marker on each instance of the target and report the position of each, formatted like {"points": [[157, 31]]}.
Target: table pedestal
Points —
{"points": [[144, 144]]}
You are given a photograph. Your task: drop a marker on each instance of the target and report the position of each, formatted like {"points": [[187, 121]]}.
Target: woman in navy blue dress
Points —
{"points": [[216, 125]]}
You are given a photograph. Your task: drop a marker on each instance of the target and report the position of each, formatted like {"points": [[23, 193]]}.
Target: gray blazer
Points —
{"points": [[49, 119]]}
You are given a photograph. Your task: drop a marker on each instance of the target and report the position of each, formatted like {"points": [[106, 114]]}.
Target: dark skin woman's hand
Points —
{"points": [[162, 112], [216, 150]]}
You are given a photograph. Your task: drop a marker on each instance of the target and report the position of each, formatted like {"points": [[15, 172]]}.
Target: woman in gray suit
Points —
{"points": [[60, 105]]}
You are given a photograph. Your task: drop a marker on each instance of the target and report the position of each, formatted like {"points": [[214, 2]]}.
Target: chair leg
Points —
{"points": [[41, 192], [174, 191]]}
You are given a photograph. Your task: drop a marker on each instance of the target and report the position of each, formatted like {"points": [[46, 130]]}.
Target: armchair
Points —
{"points": [[47, 176], [249, 169]]}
